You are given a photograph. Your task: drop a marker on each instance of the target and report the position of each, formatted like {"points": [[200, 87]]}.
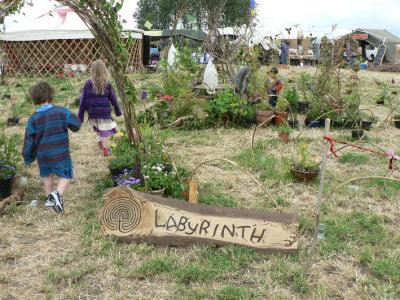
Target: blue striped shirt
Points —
{"points": [[46, 137]]}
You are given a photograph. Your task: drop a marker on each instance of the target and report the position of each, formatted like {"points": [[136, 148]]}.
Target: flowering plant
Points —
{"points": [[128, 178], [157, 176]]}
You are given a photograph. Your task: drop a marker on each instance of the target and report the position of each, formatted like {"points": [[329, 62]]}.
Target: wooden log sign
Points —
{"points": [[133, 216]]}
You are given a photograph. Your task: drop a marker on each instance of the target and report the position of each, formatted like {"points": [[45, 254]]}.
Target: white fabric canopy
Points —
{"points": [[42, 22]]}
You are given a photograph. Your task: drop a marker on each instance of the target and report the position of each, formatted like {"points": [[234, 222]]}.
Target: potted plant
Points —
{"points": [[15, 112], [125, 157], [264, 114], [305, 169], [396, 120], [284, 131], [384, 95], [229, 107], [281, 112], [9, 157], [368, 120], [304, 82]]}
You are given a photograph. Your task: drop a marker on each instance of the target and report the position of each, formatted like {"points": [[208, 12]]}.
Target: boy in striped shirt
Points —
{"points": [[46, 139]]}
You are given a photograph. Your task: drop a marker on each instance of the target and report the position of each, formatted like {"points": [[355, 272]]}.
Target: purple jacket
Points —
{"points": [[98, 106]]}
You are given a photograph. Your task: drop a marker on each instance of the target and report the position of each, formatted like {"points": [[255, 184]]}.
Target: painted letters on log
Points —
{"points": [[137, 217]]}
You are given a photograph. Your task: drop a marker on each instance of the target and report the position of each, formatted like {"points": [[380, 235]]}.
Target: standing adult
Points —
{"points": [[284, 54]]}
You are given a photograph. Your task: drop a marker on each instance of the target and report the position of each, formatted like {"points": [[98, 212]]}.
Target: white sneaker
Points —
{"points": [[58, 203], [48, 202]]}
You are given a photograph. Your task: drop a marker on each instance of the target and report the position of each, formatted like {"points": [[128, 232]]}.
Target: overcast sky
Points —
{"points": [[313, 15]]}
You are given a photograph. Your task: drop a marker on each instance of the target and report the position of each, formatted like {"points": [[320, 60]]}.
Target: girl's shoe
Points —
{"points": [[106, 152]]}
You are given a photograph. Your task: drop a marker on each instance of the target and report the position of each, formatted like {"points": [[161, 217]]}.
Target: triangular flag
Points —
{"points": [[148, 25]]}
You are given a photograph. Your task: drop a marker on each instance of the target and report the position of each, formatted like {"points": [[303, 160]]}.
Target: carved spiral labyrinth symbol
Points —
{"points": [[123, 215]]}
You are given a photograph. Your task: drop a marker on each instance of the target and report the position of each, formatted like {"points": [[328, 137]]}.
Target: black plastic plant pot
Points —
{"points": [[11, 121], [397, 123], [294, 124], [357, 134], [303, 107], [366, 125], [313, 123], [337, 124], [380, 102], [7, 174]]}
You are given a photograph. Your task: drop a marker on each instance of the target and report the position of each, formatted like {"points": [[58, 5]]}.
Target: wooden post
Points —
{"points": [[325, 149], [193, 191]]}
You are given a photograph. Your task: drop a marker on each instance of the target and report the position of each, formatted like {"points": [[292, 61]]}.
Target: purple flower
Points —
{"points": [[144, 95]]}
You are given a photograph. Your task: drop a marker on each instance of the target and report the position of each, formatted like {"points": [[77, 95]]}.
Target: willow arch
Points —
{"points": [[101, 17]]}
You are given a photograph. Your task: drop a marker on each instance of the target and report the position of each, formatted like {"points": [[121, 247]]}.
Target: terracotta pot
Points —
{"points": [[280, 117], [264, 116], [284, 137], [303, 175]]}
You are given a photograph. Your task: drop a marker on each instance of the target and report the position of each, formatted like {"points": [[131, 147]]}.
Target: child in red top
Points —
{"points": [[275, 86]]}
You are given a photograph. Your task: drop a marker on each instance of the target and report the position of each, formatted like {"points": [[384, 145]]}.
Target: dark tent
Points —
{"points": [[375, 38]]}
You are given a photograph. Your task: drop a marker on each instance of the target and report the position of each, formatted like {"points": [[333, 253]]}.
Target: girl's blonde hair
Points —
{"points": [[99, 74]]}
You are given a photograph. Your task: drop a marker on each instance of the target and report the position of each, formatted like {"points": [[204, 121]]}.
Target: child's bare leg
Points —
{"points": [[63, 185], [48, 183]]}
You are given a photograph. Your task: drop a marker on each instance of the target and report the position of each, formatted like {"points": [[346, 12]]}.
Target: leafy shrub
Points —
{"points": [[230, 107]]}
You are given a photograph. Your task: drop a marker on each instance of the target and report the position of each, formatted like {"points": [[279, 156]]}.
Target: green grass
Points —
{"points": [[155, 266], [230, 292], [387, 189], [266, 165], [218, 199], [349, 229], [354, 159], [290, 275], [228, 259], [192, 273], [70, 277]]}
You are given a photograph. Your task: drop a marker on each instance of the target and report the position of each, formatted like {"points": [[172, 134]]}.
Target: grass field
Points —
{"points": [[46, 256]]}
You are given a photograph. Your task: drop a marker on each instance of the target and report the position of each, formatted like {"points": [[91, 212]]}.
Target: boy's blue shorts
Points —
{"points": [[66, 173]]}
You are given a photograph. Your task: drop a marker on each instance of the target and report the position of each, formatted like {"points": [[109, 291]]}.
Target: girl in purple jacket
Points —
{"points": [[97, 97]]}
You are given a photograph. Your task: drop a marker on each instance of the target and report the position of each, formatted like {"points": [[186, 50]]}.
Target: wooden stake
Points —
{"points": [[325, 149], [193, 191]]}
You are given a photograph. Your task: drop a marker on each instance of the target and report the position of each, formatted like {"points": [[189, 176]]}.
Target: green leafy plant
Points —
{"points": [[284, 128], [124, 155], [292, 97], [9, 152], [231, 107], [282, 105], [304, 81], [305, 163]]}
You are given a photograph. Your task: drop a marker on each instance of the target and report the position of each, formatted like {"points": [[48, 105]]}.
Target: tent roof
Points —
{"points": [[381, 34], [57, 34]]}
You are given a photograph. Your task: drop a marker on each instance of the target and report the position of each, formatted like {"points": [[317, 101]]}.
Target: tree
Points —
{"points": [[162, 13]]}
